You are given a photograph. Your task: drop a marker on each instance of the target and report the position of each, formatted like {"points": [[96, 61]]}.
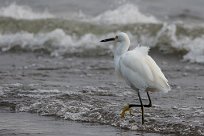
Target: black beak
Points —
{"points": [[109, 39]]}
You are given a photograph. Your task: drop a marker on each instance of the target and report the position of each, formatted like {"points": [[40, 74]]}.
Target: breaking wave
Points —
{"points": [[59, 43], [56, 42], [125, 14], [27, 30], [23, 12], [24, 30]]}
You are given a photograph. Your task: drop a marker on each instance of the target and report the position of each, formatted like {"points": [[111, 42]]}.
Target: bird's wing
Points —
{"points": [[160, 81], [148, 71], [135, 61]]}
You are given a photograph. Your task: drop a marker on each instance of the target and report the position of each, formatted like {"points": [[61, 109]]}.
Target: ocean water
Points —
{"points": [[53, 64], [69, 27]]}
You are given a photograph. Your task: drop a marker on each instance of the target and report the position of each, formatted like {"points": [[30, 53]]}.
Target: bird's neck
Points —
{"points": [[121, 48]]}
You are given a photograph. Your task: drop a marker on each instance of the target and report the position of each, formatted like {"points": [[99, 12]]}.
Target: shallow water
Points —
{"points": [[84, 89], [24, 124], [52, 64]]}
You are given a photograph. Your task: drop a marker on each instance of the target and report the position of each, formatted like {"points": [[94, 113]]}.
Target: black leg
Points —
{"points": [[150, 102], [127, 107], [149, 105], [142, 107], [141, 104]]}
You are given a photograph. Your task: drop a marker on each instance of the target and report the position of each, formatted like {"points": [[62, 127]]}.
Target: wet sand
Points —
{"points": [[179, 112], [26, 124]]}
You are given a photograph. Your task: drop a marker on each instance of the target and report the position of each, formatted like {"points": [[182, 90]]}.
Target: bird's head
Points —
{"points": [[120, 37], [121, 45]]}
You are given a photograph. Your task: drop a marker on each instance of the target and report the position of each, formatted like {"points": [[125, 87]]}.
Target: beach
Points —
{"points": [[86, 90], [57, 78]]}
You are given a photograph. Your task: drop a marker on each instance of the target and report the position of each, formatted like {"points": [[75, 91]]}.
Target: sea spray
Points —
{"points": [[125, 14], [23, 12], [42, 32]]}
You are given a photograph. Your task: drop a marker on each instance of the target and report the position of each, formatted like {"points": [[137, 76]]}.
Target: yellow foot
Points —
{"points": [[125, 109]]}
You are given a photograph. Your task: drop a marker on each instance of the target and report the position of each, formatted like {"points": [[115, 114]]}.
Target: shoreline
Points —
{"points": [[52, 86], [23, 124]]}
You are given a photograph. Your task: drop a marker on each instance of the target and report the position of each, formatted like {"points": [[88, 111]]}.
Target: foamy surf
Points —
{"points": [[59, 43], [99, 103], [23, 12], [58, 37], [41, 70], [125, 14], [56, 42]]}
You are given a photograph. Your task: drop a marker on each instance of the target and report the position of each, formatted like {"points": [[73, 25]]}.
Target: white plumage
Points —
{"points": [[138, 69], [141, 71]]}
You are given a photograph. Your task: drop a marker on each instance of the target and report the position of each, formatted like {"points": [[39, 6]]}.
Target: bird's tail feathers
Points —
{"points": [[163, 86]]}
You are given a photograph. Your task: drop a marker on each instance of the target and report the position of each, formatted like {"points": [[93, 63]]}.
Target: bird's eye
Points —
{"points": [[116, 37]]}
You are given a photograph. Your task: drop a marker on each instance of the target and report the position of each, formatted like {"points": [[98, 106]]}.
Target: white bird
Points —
{"points": [[138, 69]]}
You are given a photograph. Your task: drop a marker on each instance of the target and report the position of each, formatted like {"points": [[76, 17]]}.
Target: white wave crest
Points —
{"points": [[23, 12], [195, 50], [125, 14], [193, 46], [57, 42]]}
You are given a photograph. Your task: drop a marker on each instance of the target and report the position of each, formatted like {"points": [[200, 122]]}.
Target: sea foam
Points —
{"points": [[23, 12], [125, 14], [59, 43]]}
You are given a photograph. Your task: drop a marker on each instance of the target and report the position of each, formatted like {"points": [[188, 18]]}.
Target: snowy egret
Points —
{"points": [[138, 69]]}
